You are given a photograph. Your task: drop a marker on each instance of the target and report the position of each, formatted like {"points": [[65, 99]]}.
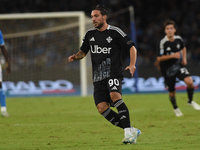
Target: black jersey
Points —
{"points": [[105, 48], [170, 67]]}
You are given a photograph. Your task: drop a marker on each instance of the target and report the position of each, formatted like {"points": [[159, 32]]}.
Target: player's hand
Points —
{"points": [[131, 69], [157, 65], [72, 58], [177, 55], [184, 62]]}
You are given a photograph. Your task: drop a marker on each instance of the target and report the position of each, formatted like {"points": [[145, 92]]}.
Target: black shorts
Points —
{"points": [[102, 89], [171, 81]]}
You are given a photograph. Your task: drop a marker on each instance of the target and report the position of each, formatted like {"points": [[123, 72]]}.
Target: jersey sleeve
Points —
{"points": [[182, 43], [124, 40], [1, 38], [85, 44], [160, 49]]}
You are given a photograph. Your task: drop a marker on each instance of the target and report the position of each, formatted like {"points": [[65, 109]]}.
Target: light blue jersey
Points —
{"points": [[2, 94], [1, 38]]}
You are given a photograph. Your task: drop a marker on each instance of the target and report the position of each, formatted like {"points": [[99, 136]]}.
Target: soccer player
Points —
{"points": [[172, 59], [4, 112], [106, 43]]}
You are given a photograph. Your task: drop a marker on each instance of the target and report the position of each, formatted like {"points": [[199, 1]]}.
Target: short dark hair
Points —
{"points": [[168, 22], [103, 9]]}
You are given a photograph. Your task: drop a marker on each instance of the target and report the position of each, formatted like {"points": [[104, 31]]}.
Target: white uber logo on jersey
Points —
{"points": [[99, 50]]}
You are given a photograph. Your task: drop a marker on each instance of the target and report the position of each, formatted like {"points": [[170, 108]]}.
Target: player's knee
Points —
{"points": [[172, 94], [101, 107], [171, 90], [190, 85], [115, 96], [189, 82]]}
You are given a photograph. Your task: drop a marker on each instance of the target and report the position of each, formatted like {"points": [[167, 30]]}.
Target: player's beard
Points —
{"points": [[99, 26]]}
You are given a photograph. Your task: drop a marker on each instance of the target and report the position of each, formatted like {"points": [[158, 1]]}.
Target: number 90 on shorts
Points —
{"points": [[114, 85]]}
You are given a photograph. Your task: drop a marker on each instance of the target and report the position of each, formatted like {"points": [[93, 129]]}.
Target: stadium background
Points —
{"points": [[148, 20]]}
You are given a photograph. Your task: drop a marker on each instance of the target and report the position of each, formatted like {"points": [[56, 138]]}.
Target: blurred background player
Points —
{"points": [[105, 43], [4, 112], [172, 59]]}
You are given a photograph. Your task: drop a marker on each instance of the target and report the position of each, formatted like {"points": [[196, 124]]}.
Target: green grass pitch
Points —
{"points": [[73, 123]]}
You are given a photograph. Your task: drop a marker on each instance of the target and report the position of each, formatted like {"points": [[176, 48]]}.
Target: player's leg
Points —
{"points": [[115, 89], [185, 76], [105, 110], [131, 134], [114, 86], [190, 92], [190, 88], [123, 111], [4, 112], [172, 98], [170, 83], [102, 98]]}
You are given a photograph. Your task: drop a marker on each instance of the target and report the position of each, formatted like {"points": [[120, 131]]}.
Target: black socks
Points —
{"points": [[120, 119], [190, 92], [123, 113], [112, 117], [173, 101]]}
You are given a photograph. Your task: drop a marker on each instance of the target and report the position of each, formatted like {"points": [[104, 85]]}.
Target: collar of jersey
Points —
{"points": [[105, 29]]}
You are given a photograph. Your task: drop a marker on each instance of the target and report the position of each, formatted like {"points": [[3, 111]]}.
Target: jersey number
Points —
{"points": [[184, 70], [112, 82]]}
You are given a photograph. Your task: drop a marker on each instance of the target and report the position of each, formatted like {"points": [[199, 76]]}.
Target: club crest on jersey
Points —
{"points": [[109, 39], [92, 39], [178, 46]]}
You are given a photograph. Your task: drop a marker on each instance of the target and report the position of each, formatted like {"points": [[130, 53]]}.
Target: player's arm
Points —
{"points": [[184, 54], [176, 55], [83, 50], [133, 57], [7, 58], [157, 65], [77, 56], [128, 44]]}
